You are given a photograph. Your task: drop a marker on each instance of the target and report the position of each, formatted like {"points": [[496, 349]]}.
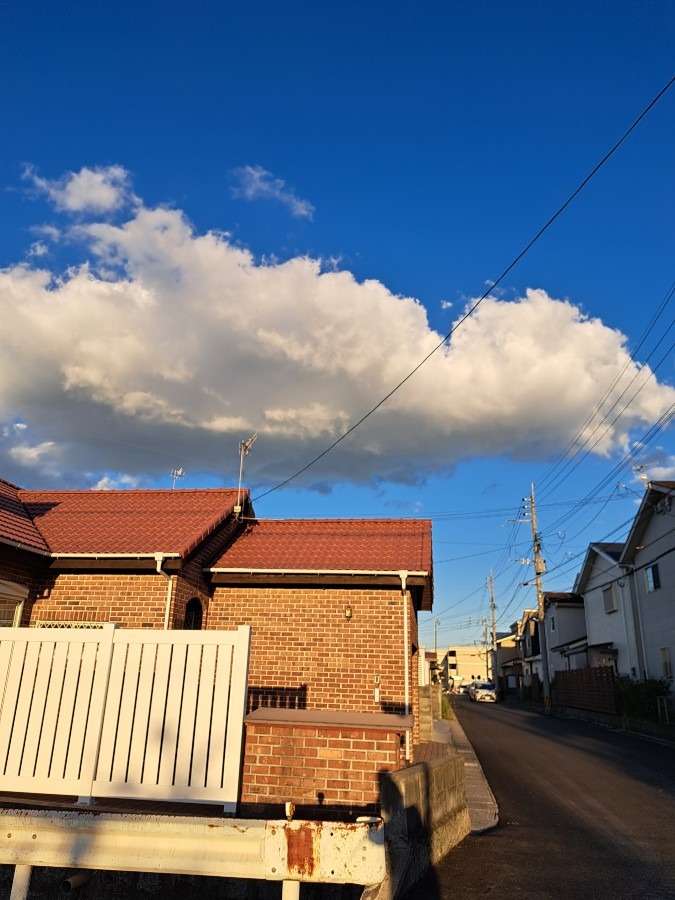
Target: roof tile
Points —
{"points": [[374, 545], [127, 522], [16, 526]]}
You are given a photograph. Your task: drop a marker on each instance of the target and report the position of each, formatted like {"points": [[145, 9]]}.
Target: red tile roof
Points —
{"points": [[16, 527], [126, 522], [370, 545]]}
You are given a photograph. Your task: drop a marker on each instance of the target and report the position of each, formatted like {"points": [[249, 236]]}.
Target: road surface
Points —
{"points": [[585, 812]]}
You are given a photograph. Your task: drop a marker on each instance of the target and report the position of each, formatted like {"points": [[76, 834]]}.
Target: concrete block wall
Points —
{"points": [[426, 814]]}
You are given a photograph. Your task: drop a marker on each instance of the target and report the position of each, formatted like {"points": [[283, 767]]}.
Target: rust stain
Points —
{"points": [[301, 855]]}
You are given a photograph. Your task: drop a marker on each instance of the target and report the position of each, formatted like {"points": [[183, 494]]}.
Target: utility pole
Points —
{"points": [[486, 644], [494, 627], [539, 569]]}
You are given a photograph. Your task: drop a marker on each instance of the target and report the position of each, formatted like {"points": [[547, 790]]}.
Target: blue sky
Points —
{"points": [[218, 219]]}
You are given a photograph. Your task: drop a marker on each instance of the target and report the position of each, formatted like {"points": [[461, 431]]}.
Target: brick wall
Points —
{"points": [[129, 600], [306, 654], [318, 768]]}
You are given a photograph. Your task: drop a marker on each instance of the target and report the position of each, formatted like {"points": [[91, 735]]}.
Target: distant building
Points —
{"points": [[461, 665]]}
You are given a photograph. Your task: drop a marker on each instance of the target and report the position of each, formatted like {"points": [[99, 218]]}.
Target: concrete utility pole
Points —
{"points": [[539, 569], [494, 627]]}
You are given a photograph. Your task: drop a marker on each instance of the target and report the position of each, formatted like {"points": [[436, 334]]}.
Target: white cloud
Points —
{"points": [[43, 457], [116, 483], [38, 248], [99, 190], [256, 183], [186, 345]]}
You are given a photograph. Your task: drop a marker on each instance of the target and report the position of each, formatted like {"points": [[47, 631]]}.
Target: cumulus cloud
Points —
{"points": [[168, 347], [99, 190], [256, 183]]}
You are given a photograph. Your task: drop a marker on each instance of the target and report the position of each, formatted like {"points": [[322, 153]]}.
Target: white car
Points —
{"points": [[483, 692]]}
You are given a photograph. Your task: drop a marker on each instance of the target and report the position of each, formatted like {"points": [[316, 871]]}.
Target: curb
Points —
{"points": [[483, 807]]}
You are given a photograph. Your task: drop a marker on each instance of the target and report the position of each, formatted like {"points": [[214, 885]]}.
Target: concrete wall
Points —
{"points": [[430, 708], [426, 815]]}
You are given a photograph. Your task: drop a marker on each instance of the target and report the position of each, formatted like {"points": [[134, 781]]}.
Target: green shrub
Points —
{"points": [[447, 711], [636, 700]]}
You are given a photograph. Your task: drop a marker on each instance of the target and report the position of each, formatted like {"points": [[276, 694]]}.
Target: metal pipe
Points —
{"points": [[406, 656], [159, 560], [75, 881], [290, 890], [21, 883]]}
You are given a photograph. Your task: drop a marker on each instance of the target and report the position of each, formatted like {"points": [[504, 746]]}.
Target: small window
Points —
{"points": [[609, 599], [7, 613], [193, 615], [653, 580], [666, 665], [552, 623]]}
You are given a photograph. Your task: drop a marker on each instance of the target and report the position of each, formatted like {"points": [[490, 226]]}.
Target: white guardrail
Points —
{"points": [[290, 852]]}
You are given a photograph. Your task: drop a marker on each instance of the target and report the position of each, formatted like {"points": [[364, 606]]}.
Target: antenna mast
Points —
{"points": [[176, 474], [244, 450]]}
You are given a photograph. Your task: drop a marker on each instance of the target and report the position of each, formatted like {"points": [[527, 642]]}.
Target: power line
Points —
{"points": [[478, 302], [577, 437]]}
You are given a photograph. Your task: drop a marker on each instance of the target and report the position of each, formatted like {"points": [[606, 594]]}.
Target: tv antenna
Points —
{"points": [[244, 450], [176, 474]]}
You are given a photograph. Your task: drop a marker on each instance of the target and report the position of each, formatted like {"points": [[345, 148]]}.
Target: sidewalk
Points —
{"points": [[447, 734]]}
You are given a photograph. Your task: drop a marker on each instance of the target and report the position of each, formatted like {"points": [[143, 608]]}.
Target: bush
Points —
{"points": [[636, 700]]}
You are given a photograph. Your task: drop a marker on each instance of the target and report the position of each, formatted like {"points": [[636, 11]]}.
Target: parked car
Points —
{"points": [[482, 691], [463, 689]]}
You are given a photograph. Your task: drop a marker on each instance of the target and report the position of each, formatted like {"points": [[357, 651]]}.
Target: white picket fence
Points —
{"points": [[134, 714]]}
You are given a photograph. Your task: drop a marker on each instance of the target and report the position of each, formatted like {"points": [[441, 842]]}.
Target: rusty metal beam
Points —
{"points": [[311, 851]]}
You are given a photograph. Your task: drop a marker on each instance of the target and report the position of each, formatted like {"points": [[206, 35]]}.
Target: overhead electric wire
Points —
{"points": [[626, 460], [661, 308], [605, 418], [478, 302]]}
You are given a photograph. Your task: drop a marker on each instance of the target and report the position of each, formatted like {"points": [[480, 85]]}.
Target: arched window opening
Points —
{"points": [[193, 615]]}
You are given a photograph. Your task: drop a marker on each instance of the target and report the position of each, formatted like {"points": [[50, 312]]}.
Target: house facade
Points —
{"points": [[332, 605], [611, 634], [648, 563], [565, 624]]}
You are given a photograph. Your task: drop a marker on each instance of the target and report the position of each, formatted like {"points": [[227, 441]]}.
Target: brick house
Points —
{"points": [[333, 605]]}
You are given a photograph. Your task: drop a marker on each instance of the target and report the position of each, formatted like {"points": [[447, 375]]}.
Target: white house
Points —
{"points": [[611, 634], [648, 557], [566, 643]]}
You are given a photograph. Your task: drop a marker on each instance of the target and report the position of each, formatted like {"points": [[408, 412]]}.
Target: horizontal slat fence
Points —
{"points": [[588, 688]]}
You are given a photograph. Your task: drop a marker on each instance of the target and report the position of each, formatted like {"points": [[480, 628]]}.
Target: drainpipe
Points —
{"points": [[406, 656], [159, 559], [634, 594]]}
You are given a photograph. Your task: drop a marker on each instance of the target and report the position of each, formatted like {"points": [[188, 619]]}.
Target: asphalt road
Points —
{"points": [[585, 812]]}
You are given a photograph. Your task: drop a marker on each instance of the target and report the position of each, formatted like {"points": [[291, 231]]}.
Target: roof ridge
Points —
{"points": [[120, 491]]}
